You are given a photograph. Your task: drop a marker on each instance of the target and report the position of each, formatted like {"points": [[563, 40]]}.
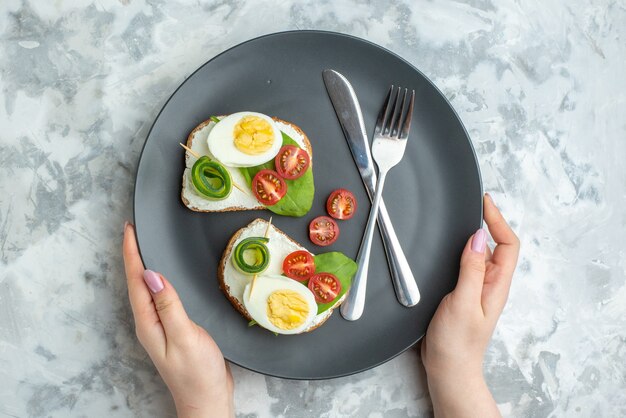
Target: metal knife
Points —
{"points": [[348, 112]]}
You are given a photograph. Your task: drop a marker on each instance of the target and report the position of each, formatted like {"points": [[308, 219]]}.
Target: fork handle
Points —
{"points": [[402, 278], [352, 308]]}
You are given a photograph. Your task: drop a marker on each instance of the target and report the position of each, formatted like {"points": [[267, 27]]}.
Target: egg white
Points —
{"points": [[266, 285], [222, 146]]}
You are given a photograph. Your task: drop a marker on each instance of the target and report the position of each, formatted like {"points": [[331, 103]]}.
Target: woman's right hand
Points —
{"points": [[461, 328]]}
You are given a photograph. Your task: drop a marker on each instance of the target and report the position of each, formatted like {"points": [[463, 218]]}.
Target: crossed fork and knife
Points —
{"points": [[389, 142]]}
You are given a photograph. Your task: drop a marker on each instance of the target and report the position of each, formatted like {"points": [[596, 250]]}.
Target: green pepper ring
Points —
{"points": [[205, 173], [262, 255]]}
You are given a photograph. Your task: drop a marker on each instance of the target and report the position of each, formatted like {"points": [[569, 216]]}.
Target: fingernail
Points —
{"points": [[126, 225], [153, 280], [479, 241], [490, 198]]}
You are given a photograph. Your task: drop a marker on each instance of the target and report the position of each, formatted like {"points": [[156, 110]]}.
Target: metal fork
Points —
{"points": [[390, 135]]}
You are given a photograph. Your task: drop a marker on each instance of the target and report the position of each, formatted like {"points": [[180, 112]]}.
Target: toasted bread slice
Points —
{"points": [[233, 283], [237, 200]]}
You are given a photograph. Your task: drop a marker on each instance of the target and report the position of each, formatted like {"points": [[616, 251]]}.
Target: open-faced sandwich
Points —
{"points": [[276, 283], [248, 161]]}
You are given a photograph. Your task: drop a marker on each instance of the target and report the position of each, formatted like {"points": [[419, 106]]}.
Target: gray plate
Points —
{"points": [[433, 196]]}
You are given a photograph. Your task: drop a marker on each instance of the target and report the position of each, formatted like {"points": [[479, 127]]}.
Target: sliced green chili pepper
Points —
{"points": [[215, 119], [251, 255], [211, 179]]}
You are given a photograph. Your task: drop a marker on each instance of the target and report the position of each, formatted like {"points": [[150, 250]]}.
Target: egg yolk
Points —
{"points": [[253, 135], [287, 309]]}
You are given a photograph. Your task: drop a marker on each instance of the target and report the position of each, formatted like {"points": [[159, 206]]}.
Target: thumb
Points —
{"points": [[168, 306], [472, 273]]}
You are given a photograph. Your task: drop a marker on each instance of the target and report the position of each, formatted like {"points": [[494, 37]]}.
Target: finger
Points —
{"points": [[169, 308], [495, 291], [147, 324], [507, 249], [500, 271], [472, 272]]}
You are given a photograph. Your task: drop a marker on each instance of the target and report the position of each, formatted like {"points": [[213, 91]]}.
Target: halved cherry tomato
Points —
{"points": [[299, 265], [292, 162], [323, 230], [341, 204], [325, 287], [268, 187]]}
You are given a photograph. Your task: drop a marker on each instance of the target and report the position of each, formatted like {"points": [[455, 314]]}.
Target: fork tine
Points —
{"points": [[406, 126], [394, 116], [384, 112], [401, 117]]}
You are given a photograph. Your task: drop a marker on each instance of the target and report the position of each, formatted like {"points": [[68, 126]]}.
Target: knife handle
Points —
{"points": [[401, 276]]}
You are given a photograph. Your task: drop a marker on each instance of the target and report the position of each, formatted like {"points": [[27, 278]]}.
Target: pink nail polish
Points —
{"points": [[153, 280], [479, 241]]}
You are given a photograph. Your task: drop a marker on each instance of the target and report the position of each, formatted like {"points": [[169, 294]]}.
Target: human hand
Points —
{"points": [[187, 358], [458, 334]]}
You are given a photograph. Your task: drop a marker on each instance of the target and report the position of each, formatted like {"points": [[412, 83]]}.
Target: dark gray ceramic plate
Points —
{"points": [[433, 196]]}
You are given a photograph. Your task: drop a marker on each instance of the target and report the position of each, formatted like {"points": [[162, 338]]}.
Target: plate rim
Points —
{"points": [[309, 32]]}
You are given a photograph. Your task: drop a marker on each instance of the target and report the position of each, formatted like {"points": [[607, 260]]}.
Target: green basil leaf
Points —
{"points": [[300, 192], [341, 266]]}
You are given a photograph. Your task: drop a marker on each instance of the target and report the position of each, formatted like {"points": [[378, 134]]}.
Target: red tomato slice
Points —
{"points": [[299, 265], [323, 230], [341, 204], [268, 187], [325, 287], [292, 162]]}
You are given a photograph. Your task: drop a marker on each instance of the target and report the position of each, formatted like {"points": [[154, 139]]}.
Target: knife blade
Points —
{"points": [[348, 110]]}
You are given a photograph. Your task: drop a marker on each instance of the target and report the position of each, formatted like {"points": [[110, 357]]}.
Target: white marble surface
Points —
{"points": [[539, 84]]}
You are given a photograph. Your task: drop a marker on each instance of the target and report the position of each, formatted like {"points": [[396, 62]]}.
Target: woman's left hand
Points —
{"points": [[189, 361]]}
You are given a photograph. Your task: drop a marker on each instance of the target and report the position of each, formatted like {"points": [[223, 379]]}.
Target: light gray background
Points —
{"points": [[539, 85]]}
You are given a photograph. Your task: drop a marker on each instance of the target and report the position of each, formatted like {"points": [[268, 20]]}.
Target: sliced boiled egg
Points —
{"points": [[245, 139], [280, 304]]}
